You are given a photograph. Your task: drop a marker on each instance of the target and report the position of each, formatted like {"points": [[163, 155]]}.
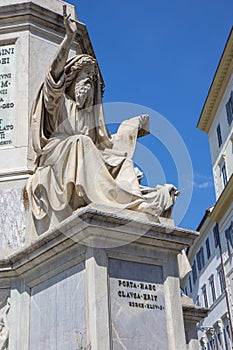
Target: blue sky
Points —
{"points": [[162, 55]]}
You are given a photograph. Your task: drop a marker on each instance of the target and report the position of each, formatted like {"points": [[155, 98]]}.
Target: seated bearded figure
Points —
{"points": [[75, 159]]}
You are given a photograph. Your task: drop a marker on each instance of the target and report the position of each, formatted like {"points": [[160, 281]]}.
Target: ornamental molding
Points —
{"points": [[218, 87]]}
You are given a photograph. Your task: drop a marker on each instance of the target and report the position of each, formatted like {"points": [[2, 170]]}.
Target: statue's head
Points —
{"points": [[81, 76], [78, 65]]}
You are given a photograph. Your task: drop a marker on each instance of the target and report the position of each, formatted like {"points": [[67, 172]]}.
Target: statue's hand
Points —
{"points": [[143, 119], [70, 26]]}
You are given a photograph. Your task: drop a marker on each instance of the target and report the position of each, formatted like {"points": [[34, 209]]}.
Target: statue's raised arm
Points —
{"points": [[58, 64]]}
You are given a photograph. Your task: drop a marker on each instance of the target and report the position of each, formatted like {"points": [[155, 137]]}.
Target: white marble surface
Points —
{"points": [[58, 311], [12, 219]]}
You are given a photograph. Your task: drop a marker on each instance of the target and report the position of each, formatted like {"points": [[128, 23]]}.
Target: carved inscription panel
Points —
{"points": [[7, 94], [137, 306]]}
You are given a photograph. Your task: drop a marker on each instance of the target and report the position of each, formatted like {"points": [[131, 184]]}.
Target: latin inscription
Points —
{"points": [[140, 295], [137, 304], [7, 94]]}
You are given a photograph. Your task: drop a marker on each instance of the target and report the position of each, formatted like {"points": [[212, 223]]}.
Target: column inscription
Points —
{"points": [[7, 94]]}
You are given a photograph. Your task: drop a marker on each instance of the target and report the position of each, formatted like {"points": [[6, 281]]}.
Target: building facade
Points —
{"points": [[210, 283]]}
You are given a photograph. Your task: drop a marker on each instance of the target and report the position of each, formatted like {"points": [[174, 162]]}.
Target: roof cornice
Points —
{"points": [[218, 86], [223, 202]]}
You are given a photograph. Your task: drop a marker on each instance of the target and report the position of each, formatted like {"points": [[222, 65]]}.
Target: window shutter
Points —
{"points": [[219, 135], [198, 261], [208, 252], [216, 235], [229, 234], [229, 112], [194, 271], [202, 257], [229, 109]]}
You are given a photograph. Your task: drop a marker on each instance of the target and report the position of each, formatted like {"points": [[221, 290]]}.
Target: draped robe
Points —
{"points": [[77, 161]]}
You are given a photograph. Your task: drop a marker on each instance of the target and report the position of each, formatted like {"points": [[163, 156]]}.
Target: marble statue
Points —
{"points": [[76, 160]]}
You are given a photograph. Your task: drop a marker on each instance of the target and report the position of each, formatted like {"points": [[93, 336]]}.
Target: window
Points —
{"points": [[205, 299], [216, 236], [226, 339], [190, 284], [212, 287], [224, 174], [221, 280], [219, 135], [194, 271], [227, 336], [229, 109], [228, 330], [229, 237], [198, 300], [219, 341], [200, 259], [207, 245]]}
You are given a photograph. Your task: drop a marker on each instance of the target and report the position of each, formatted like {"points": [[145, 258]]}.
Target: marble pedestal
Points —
{"points": [[101, 279]]}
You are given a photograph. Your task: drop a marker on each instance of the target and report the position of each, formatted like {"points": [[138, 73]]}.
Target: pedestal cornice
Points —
{"points": [[41, 21], [102, 227]]}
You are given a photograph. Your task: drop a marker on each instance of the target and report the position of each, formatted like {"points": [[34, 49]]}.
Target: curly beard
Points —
{"points": [[84, 93]]}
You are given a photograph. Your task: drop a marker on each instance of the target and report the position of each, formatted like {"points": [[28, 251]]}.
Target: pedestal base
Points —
{"points": [[101, 280]]}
